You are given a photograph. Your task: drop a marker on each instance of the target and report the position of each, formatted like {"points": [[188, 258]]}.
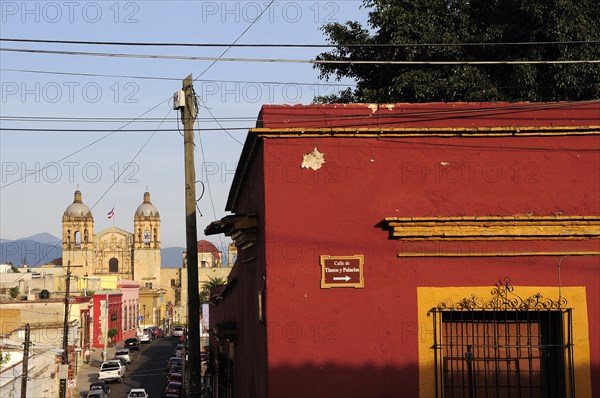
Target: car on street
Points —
{"points": [[174, 361], [178, 377], [132, 343], [100, 385], [145, 337], [137, 393], [177, 331], [111, 370], [123, 353], [122, 361], [173, 389], [178, 350], [175, 369], [96, 394]]}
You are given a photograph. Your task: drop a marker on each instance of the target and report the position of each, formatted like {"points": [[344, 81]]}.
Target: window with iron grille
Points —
{"points": [[505, 347]]}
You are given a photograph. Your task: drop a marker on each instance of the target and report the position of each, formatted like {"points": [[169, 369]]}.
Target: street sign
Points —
{"points": [[72, 383], [342, 271]]}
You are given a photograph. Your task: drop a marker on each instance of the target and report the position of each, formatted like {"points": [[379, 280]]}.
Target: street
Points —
{"points": [[147, 369]]}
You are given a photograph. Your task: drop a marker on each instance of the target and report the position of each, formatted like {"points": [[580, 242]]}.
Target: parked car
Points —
{"points": [[150, 333], [111, 370], [177, 377], [96, 394], [173, 388], [137, 393], [178, 350], [145, 337], [100, 385], [173, 361], [175, 369], [123, 353], [122, 361], [177, 331], [133, 343]]}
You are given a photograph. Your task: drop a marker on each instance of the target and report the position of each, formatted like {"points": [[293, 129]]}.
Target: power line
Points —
{"points": [[295, 61], [33, 130], [111, 132], [130, 162], [300, 45], [177, 79], [235, 41]]}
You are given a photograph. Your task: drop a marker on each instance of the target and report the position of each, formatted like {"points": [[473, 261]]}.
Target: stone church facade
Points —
{"points": [[113, 251]]}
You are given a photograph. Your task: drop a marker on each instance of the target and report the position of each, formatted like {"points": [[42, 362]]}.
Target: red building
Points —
{"points": [[113, 317], [413, 250]]}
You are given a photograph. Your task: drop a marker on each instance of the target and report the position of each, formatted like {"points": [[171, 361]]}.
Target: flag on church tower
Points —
{"points": [[111, 213]]}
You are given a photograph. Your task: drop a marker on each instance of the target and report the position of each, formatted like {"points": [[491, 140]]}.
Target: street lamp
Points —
{"points": [[144, 305]]}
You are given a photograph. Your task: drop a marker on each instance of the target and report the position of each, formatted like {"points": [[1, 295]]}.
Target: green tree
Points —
{"points": [[13, 292], [412, 26], [14, 269], [208, 285]]}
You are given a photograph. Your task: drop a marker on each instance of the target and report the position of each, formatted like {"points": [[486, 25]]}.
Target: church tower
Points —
{"points": [[146, 244], [78, 237]]}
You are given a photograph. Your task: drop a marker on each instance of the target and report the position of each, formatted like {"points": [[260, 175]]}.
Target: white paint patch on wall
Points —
{"points": [[313, 160]]}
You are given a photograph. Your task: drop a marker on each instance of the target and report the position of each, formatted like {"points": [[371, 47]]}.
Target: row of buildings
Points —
{"points": [[413, 250], [116, 288]]}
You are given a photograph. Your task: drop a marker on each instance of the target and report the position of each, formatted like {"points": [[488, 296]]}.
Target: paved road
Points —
{"points": [[147, 370]]}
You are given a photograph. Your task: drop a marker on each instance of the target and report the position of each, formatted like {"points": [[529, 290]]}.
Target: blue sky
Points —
{"points": [[35, 204]]}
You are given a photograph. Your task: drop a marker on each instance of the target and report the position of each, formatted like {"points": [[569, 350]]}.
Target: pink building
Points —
{"points": [[129, 307]]}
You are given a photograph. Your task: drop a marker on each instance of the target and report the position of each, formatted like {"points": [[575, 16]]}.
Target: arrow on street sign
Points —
{"points": [[341, 278]]}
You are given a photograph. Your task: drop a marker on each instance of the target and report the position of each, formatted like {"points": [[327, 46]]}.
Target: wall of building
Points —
{"points": [[246, 280], [367, 342]]}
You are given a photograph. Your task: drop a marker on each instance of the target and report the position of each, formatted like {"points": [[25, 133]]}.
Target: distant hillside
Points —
{"points": [[171, 257], [32, 252], [44, 238], [42, 248]]}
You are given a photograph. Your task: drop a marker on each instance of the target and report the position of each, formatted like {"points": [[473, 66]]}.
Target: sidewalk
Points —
{"points": [[88, 373]]}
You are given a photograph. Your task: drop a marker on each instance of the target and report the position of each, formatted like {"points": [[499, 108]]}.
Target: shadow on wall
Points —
{"points": [[335, 381]]}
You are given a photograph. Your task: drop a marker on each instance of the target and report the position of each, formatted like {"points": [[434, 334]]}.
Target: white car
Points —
{"points": [[123, 353], [137, 393], [144, 338], [177, 331]]}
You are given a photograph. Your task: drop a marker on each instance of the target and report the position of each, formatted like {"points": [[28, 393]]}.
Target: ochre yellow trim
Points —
{"points": [[494, 228], [498, 254], [525, 131], [430, 297]]}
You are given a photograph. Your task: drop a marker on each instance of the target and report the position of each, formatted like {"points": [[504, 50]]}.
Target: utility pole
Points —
{"points": [[25, 371], [65, 345], [188, 116]]}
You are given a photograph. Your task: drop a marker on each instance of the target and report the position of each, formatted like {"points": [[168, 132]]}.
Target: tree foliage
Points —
{"points": [[208, 285], [421, 23], [14, 292]]}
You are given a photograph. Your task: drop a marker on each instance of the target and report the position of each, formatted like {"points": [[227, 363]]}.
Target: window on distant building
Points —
{"points": [[77, 237]]}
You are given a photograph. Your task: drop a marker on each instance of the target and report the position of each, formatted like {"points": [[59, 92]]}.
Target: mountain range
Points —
{"points": [[42, 248]]}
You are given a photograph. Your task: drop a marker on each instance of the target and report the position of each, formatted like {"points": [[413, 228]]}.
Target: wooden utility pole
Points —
{"points": [[25, 371], [188, 116], [65, 345]]}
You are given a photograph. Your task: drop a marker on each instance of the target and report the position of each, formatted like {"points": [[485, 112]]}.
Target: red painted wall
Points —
{"points": [[114, 306], [363, 342]]}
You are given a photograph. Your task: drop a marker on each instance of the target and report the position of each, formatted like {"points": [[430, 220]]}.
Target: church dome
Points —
{"points": [[78, 208], [147, 209], [205, 246]]}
